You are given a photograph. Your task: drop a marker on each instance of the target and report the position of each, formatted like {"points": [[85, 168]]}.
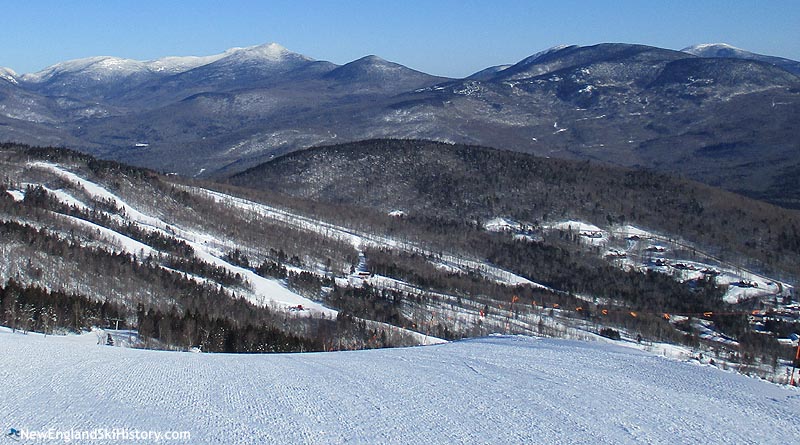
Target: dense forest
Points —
{"points": [[449, 184], [32, 308]]}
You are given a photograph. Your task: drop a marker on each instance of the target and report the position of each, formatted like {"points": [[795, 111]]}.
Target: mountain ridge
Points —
{"points": [[729, 51], [731, 119], [434, 179], [170, 64], [701, 50]]}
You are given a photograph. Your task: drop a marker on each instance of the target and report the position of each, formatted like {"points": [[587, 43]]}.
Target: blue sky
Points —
{"points": [[444, 37]]}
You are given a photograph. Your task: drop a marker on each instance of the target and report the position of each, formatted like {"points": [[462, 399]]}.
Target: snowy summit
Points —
{"points": [[108, 67], [715, 50], [8, 75], [272, 52]]}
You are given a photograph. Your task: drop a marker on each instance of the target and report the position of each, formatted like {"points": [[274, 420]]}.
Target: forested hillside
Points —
{"points": [[460, 184], [77, 254]]}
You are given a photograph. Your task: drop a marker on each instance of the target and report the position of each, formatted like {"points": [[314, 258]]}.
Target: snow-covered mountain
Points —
{"points": [[375, 73], [254, 60], [619, 103], [113, 68], [531, 66], [97, 68], [631, 60], [536, 64], [269, 52], [105, 76], [8, 75], [248, 68], [725, 50], [179, 64], [491, 390], [717, 50]]}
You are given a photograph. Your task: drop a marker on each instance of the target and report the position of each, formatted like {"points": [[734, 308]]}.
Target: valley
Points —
{"points": [[342, 277]]}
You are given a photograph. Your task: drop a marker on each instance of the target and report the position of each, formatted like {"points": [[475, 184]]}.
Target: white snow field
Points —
{"points": [[495, 390]]}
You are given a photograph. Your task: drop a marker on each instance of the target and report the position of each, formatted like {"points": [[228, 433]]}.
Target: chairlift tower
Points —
{"points": [[116, 320]]}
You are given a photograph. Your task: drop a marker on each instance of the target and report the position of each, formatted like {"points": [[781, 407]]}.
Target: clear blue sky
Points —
{"points": [[444, 37]]}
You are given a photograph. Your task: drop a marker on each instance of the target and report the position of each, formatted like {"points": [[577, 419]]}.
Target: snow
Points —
{"points": [[108, 67], [8, 75], [502, 225], [126, 244], [179, 64], [66, 198], [590, 233], [99, 192], [643, 247], [629, 230], [361, 240], [18, 195], [706, 47], [269, 52], [264, 290], [489, 390], [535, 58], [468, 88], [261, 291], [100, 67]]}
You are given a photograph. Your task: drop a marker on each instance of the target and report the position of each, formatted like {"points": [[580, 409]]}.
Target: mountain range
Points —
{"points": [[712, 113]]}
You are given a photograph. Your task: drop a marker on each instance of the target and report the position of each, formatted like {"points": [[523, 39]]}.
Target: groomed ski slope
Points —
{"points": [[264, 290], [496, 390]]}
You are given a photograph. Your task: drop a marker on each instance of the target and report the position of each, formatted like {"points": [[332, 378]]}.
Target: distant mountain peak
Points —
{"points": [[729, 51], [376, 69], [374, 62], [706, 46], [489, 73], [111, 67], [714, 50], [540, 54], [372, 59], [8, 75], [272, 52], [104, 66], [564, 56]]}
